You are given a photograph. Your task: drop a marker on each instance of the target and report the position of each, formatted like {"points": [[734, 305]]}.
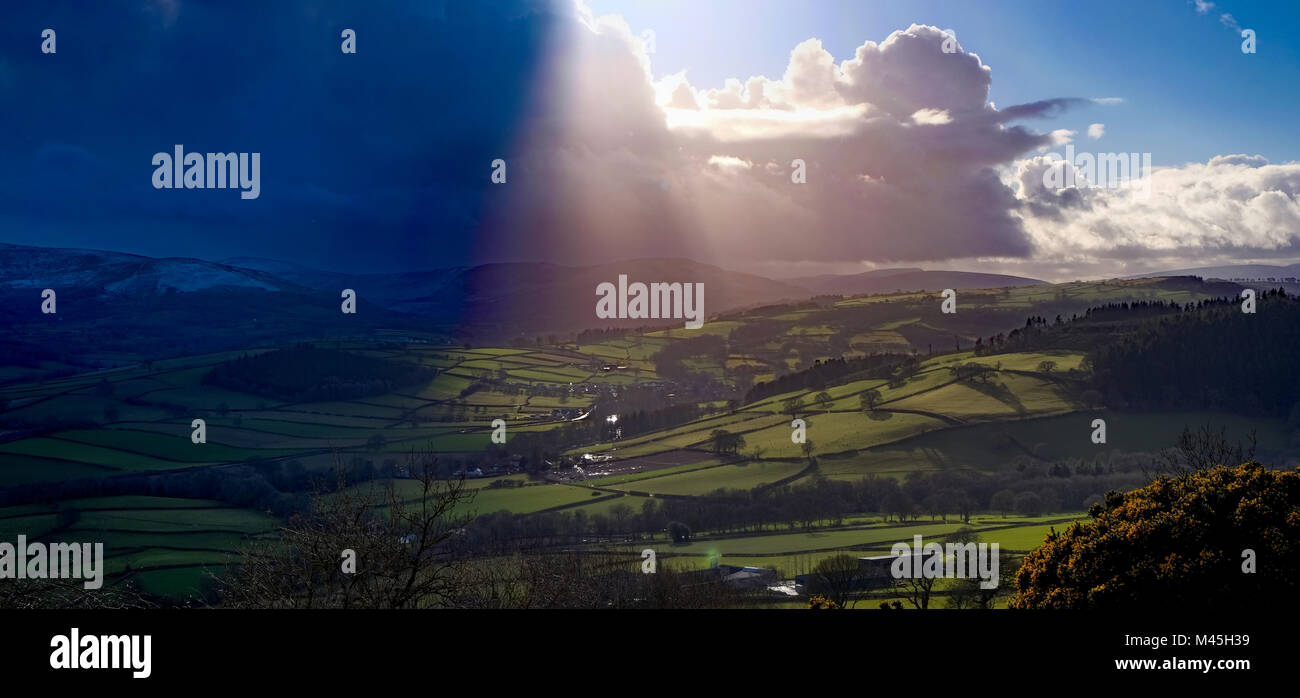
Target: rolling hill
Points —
{"points": [[1231, 271], [907, 279]]}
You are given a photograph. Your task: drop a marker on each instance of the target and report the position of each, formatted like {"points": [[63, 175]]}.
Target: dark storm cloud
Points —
{"points": [[901, 146], [377, 160]]}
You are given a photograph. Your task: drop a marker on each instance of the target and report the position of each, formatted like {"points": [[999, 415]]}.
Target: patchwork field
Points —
{"points": [[167, 546], [952, 410]]}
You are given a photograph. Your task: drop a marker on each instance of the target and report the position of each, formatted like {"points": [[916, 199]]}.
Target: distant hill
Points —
{"points": [[112, 302], [529, 297], [1231, 271], [113, 306], [508, 299], [116, 272], [523, 297], [118, 308], [297, 273], [907, 279]]}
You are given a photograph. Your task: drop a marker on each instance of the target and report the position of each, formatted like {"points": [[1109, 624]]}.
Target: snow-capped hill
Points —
{"points": [[189, 275], [113, 304], [289, 271], [47, 267], [117, 273]]}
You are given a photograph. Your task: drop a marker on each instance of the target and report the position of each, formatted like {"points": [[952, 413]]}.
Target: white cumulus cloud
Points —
{"points": [[906, 160]]}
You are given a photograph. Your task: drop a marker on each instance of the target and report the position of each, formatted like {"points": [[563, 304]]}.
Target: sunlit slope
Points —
{"points": [[932, 399]]}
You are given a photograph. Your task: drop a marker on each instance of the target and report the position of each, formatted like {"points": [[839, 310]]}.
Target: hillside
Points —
{"points": [[117, 308], [610, 435], [510, 300], [1231, 271], [895, 280]]}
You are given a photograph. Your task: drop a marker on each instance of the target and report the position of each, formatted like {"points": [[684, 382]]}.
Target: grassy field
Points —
{"points": [[527, 498], [784, 550], [993, 446], [136, 419], [165, 545], [703, 481]]}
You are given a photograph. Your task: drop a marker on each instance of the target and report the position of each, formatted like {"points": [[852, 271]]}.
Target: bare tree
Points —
{"points": [[837, 578], [916, 590], [364, 546], [1201, 450], [593, 578], [71, 593]]}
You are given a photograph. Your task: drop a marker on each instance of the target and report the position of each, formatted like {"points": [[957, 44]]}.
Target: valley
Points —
{"points": [[915, 422]]}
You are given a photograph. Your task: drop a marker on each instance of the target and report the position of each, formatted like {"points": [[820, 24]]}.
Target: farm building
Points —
{"points": [[873, 573], [739, 577]]}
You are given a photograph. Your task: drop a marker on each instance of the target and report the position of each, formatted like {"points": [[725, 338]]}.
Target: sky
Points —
{"points": [[662, 128]]}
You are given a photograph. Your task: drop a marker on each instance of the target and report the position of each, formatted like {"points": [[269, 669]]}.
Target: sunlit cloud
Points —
{"points": [[906, 161]]}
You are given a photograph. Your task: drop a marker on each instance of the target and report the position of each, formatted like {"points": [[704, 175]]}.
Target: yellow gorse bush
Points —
{"points": [[1178, 541]]}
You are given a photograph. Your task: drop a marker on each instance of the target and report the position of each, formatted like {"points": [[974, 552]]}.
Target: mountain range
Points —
{"points": [[501, 299], [114, 302]]}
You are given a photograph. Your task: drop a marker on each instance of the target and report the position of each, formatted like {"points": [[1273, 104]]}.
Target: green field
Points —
{"points": [[136, 419], [165, 545], [703, 481]]}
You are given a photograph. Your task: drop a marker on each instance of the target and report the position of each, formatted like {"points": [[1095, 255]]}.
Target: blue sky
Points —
{"points": [[1189, 91]]}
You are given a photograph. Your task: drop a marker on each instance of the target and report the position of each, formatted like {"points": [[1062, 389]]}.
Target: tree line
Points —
{"points": [[821, 502], [831, 372], [1210, 355], [305, 373]]}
